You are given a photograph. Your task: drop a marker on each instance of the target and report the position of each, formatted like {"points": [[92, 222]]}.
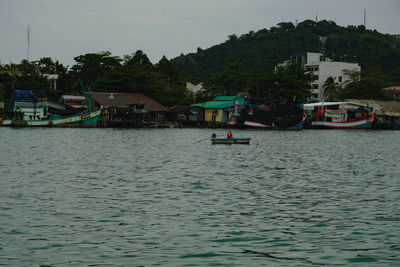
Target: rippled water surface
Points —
{"points": [[148, 197]]}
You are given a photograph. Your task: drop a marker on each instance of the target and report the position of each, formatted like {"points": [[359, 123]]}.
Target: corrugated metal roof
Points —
{"points": [[319, 104], [216, 104], [222, 102], [227, 98], [126, 99], [75, 97], [179, 109], [381, 108]]}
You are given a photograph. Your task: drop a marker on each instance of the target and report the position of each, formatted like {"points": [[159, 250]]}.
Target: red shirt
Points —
{"points": [[229, 135]]}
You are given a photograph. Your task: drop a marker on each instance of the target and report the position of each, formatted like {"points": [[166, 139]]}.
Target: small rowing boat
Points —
{"points": [[243, 141]]}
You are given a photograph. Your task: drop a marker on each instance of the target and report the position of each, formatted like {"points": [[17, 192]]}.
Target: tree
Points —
{"points": [[46, 65], [369, 86], [93, 66], [232, 82], [137, 58], [286, 26], [138, 75], [329, 88], [23, 76], [258, 49], [291, 81], [165, 67]]}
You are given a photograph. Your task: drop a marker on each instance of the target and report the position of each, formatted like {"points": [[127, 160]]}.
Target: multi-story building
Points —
{"points": [[324, 68]]}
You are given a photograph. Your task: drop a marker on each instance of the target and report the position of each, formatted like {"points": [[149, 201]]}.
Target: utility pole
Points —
{"points": [[28, 43]]}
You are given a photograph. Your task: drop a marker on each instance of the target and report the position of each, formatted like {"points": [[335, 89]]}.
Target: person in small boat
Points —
{"points": [[229, 134], [213, 135]]}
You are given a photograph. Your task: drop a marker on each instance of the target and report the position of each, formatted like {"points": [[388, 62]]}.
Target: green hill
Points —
{"points": [[267, 47]]}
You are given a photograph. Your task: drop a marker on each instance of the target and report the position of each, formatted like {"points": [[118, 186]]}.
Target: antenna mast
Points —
{"points": [[365, 18], [28, 43], [322, 44]]}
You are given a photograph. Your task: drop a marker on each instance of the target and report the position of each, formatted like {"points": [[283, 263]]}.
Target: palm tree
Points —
{"points": [[329, 88]]}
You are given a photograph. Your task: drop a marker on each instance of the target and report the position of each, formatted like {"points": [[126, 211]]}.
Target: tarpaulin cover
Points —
{"points": [[24, 96]]}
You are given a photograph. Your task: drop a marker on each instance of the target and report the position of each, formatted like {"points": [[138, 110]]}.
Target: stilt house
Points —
{"points": [[129, 110]]}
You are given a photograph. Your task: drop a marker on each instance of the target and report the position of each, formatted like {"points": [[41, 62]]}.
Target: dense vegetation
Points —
{"points": [[100, 72], [289, 82], [263, 49]]}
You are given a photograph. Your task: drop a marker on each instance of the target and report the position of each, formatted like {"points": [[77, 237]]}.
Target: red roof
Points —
{"points": [[125, 99]]}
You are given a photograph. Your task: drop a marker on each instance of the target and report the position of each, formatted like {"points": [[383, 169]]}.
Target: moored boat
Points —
{"points": [[233, 140], [254, 124], [26, 110], [285, 116], [340, 115]]}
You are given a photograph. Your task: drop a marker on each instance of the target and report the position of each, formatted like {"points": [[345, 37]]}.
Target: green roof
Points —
{"points": [[221, 102], [227, 98]]}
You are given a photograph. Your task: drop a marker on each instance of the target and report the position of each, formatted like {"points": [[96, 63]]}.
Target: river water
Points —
{"points": [[164, 197]]}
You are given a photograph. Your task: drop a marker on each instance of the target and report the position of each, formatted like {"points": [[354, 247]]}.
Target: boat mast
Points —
{"points": [[88, 96]]}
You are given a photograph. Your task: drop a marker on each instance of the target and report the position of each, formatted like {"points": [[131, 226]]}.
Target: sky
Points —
{"points": [[64, 29]]}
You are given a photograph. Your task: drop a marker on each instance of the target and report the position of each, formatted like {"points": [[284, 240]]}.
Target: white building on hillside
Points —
{"points": [[194, 89], [324, 68]]}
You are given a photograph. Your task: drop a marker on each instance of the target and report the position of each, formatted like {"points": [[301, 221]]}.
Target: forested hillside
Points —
{"points": [[263, 49]]}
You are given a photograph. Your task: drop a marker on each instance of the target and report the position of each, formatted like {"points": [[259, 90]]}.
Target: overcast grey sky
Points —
{"points": [[63, 29]]}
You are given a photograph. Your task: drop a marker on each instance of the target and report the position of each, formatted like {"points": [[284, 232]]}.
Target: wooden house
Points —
{"points": [[220, 111], [179, 116], [129, 110]]}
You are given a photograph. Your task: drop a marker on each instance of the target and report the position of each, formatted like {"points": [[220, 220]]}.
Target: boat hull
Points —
{"points": [[86, 119], [242, 141], [255, 125], [361, 124]]}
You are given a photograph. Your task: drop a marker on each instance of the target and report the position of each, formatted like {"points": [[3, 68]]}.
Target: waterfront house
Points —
{"points": [[179, 116], [221, 111], [129, 110], [393, 91]]}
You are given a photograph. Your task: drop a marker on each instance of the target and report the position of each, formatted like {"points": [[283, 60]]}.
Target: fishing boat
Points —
{"points": [[26, 110], [264, 117], [255, 124], [340, 115], [233, 140]]}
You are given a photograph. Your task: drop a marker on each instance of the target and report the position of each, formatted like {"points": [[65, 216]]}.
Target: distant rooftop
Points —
{"points": [[126, 99]]}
